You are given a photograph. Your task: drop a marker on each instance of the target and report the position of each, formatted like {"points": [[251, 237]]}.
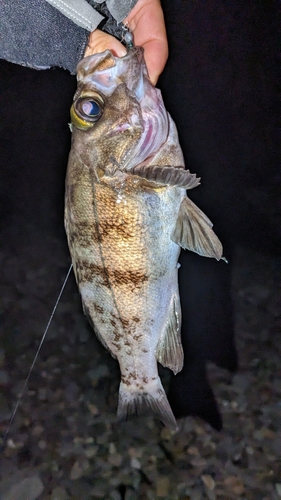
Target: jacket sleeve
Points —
{"points": [[36, 34]]}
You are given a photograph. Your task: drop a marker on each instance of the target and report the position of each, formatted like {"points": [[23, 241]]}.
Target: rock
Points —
{"points": [[79, 467], [162, 486], [235, 485], [135, 463], [23, 488], [208, 481], [242, 381], [91, 451], [59, 494], [278, 489], [115, 459]]}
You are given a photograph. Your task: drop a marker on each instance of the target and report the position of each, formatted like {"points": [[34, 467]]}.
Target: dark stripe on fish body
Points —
{"points": [[85, 234], [128, 277], [87, 271]]}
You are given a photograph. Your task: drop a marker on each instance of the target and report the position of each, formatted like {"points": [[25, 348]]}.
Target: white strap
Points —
{"points": [[79, 11]]}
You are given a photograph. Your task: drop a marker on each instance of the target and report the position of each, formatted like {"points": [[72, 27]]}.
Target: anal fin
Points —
{"points": [[169, 351], [193, 231]]}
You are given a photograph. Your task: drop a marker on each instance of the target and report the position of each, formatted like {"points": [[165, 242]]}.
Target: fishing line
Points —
{"points": [[34, 360]]}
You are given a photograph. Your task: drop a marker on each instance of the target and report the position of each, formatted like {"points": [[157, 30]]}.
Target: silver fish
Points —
{"points": [[126, 217]]}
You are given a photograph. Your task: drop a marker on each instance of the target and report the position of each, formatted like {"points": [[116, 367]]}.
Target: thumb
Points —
{"points": [[99, 42]]}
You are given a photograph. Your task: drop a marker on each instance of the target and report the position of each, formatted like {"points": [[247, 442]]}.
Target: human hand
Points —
{"points": [[146, 21], [99, 41]]}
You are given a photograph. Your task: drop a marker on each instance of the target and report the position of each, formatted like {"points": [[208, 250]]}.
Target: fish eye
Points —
{"points": [[86, 110], [89, 108]]}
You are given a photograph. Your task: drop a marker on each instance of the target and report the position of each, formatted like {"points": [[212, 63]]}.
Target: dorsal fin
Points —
{"points": [[167, 175]]}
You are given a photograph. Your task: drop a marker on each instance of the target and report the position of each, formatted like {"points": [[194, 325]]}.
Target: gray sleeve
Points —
{"points": [[79, 11], [82, 12], [41, 34], [35, 34], [120, 9]]}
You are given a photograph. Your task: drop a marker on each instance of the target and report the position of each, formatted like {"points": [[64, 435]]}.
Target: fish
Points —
{"points": [[127, 216]]}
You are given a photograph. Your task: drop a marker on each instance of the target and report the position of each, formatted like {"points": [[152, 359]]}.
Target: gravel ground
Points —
{"points": [[65, 443]]}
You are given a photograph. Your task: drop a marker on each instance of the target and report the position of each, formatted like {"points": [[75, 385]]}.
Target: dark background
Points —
{"points": [[220, 86]]}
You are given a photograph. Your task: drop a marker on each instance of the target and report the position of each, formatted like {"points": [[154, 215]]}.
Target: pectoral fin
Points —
{"points": [[167, 175], [169, 350], [193, 231]]}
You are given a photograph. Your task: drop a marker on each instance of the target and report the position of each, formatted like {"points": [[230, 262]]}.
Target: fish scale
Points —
{"points": [[126, 217]]}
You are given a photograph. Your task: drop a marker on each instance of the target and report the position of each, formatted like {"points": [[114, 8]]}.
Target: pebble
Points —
{"points": [[93, 409], [241, 381], [79, 467], [42, 444], [278, 489], [19, 488], [59, 493], [162, 486], [208, 481], [263, 433], [115, 459], [91, 451], [207, 464], [135, 463], [37, 430], [235, 485]]}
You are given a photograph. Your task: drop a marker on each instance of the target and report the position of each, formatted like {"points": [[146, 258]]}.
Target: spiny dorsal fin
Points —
{"points": [[169, 350], [193, 231], [167, 175]]}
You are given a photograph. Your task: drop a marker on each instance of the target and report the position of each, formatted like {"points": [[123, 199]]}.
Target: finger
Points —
{"points": [[146, 21], [155, 54], [99, 42]]}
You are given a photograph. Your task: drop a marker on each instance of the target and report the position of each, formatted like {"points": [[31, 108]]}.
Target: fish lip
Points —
{"points": [[135, 51], [108, 67], [131, 53]]}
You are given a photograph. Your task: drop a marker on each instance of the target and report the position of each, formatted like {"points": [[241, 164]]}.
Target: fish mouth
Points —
{"points": [[105, 71]]}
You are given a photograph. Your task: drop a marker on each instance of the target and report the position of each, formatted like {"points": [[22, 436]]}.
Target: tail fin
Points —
{"points": [[151, 399]]}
